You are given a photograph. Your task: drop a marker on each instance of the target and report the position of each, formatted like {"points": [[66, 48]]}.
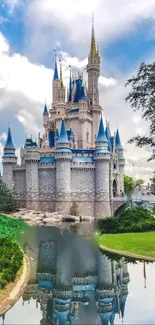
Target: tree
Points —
{"points": [[128, 185], [7, 202], [153, 184], [74, 209], [139, 182], [142, 97]]}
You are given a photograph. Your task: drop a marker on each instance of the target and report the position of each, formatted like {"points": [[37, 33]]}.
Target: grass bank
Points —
{"points": [[135, 243]]}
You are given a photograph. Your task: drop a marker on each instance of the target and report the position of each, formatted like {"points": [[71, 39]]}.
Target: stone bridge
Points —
{"points": [[119, 203]]}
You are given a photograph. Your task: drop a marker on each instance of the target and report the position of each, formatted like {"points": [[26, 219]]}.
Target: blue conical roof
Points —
{"points": [[101, 137], [45, 110], [108, 135], [118, 141], [9, 143], [63, 134], [56, 76], [70, 134]]}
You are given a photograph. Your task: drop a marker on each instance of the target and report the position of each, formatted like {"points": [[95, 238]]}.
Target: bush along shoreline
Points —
{"points": [[11, 255], [11, 260], [131, 220]]}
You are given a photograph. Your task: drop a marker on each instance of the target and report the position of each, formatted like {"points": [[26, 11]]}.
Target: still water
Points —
{"points": [[72, 282]]}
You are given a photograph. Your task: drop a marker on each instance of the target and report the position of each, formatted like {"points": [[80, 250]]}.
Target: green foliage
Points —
{"points": [[74, 209], [11, 228], [128, 184], [136, 219], [7, 202], [141, 97], [139, 182], [11, 259]]}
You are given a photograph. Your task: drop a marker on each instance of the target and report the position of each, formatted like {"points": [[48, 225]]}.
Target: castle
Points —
{"points": [[77, 159], [70, 288]]}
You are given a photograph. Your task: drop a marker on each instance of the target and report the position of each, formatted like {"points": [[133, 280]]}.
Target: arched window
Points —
{"points": [[87, 136]]}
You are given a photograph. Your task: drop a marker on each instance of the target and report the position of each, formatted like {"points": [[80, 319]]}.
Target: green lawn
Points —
{"points": [[137, 243]]}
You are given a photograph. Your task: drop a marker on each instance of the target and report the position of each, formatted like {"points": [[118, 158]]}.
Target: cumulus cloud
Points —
{"points": [[112, 17], [3, 136]]}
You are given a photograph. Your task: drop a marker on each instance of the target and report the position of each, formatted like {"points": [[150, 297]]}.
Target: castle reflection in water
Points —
{"points": [[71, 281]]}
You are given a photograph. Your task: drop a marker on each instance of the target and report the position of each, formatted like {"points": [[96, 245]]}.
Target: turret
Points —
{"points": [[56, 82], [121, 160], [70, 88], [93, 70], [63, 157], [102, 159], [104, 289], [9, 161], [108, 136], [45, 116]]}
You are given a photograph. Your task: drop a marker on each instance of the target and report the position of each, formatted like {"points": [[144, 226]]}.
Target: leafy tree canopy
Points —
{"points": [[128, 184], [139, 182], [7, 202], [142, 97]]}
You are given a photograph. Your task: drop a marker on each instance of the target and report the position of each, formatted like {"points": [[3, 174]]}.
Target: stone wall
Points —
{"points": [[102, 200], [83, 189], [32, 189], [47, 187], [19, 178]]}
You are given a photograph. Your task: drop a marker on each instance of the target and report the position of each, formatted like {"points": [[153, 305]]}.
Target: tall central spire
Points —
{"points": [[56, 76], [61, 80], [93, 51]]}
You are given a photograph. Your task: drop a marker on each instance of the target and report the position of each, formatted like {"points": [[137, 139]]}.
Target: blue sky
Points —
{"points": [[29, 31]]}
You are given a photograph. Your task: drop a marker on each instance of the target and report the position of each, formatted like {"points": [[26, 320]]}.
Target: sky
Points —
{"points": [[29, 32]]}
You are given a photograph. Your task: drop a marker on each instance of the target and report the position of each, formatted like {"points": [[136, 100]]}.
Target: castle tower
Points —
{"points": [[93, 70], [121, 161], [62, 89], [9, 160], [56, 83], [32, 158], [102, 159], [108, 136], [104, 290], [63, 157], [45, 124]]}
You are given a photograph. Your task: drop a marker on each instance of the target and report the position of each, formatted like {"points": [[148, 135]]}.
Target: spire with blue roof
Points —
{"points": [[63, 134], [9, 142], [101, 137], [70, 87], [118, 141], [56, 76], [45, 110], [108, 135]]}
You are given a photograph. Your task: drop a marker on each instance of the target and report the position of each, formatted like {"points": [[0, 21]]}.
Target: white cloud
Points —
{"points": [[112, 17], [3, 136], [24, 86]]}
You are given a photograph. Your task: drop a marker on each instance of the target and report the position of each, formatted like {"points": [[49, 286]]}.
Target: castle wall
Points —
{"points": [[102, 201], [83, 189], [8, 175], [19, 178], [47, 186], [63, 184], [32, 200]]}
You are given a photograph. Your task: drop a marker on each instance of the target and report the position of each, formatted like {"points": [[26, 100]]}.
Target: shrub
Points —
{"points": [[11, 259], [11, 228], [136, 219], [7, 202]]}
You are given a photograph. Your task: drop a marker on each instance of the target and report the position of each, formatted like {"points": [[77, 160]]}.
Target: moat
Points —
{"points": [[72, 282]]}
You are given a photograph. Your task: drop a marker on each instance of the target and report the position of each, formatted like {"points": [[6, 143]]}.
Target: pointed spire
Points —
{"points": [[56, 76], [63, 134], [101, 137], [70, 86], [9, 143], [108, 135], [93, 52], [45, 110], [118, 141], [61, 80]]}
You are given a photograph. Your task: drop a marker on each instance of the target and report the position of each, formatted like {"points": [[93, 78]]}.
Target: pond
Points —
{"points": [[72, 282]]}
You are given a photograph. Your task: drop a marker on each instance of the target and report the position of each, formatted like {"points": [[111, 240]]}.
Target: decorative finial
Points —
{"points": [[92, 18], [9, 123]]}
